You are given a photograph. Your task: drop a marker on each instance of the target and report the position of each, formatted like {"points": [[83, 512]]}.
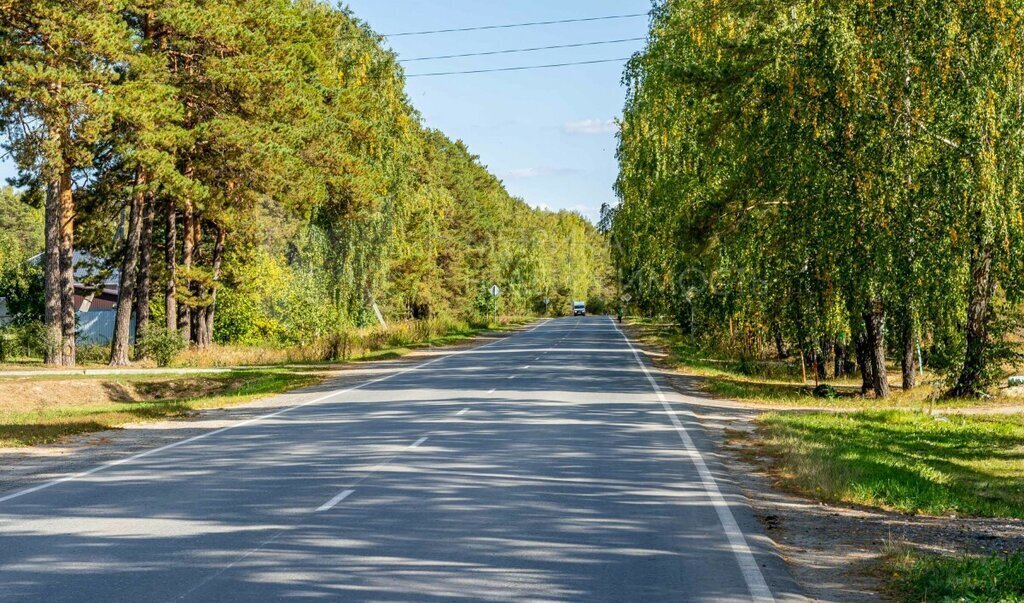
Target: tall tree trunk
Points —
{"points": [[874, 323], [67, 269], [839, 368], [780, 346], [187, 247], [971, 382], [861, 346], [826, 358], [53, 314], [199, 326], [908, 361], [211, 307], [171, 259], [143, 291], [196, 292], [129, 266]]}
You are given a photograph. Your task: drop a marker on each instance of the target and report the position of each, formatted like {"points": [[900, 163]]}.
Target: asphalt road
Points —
{"points": [[550, 465]]}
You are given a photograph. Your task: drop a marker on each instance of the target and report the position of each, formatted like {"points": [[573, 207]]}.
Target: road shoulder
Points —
{"points": [[837, 552]]}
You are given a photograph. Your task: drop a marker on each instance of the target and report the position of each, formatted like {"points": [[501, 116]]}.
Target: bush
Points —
{"points": [[159, 344], [597, 305], [23, 340], [92, 353], [825, 391]]}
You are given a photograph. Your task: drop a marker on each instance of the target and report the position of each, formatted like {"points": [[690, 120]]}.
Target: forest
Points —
{"points": [[254, 173], [835, 179]]}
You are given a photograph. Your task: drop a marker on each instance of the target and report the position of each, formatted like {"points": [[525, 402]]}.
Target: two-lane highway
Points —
{"points": [[550, 465]]}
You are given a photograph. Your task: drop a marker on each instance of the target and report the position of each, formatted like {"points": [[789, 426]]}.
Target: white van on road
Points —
{"points": [[579, 308]]}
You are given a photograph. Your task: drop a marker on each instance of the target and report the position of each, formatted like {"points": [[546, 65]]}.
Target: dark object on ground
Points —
{"points": [[825, 391]]}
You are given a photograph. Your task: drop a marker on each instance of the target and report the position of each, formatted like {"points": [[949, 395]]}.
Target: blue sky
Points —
{"points": [[548, 134]]}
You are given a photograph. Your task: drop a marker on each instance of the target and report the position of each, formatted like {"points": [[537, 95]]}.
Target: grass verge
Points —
{"points": [[43, 425], [915, 577], [901, 460], [780, 383]]}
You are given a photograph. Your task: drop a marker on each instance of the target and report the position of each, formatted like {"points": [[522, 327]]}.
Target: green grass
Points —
{"points": [[956, 579], [33, 427], [901, 460], [774, 383]]}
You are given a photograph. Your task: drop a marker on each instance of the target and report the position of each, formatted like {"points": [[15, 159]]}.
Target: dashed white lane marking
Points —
{"points": [[344, 493], [526, 367], [756, 583], [511, 376], [337, 499], [462, 412], [492, 390]]}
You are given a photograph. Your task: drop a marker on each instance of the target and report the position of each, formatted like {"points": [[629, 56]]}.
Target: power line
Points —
{"points": [[524, 68], [512, 25], [518, 50]]}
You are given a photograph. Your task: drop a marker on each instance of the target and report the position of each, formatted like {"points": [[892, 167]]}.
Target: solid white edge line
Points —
{"points": [[337, 499], [752, 575], [172, 445]]}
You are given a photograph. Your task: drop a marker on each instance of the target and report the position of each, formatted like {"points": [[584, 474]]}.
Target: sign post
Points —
{"points": [[495, 292]]}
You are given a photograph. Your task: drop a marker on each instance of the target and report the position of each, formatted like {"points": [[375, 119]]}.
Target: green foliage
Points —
{"points": [[93, 353], [160, 345], [21, 227], [961, 579], [790, 167], [825, 391], [22, 340], [303, 186], [21, 283], [21, 286], [597, 305]]}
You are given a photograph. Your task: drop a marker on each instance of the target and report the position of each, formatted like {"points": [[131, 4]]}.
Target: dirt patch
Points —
{"points": [[835, 551], [33, 394]]}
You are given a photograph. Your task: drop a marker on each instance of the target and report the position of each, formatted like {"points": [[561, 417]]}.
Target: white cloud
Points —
{"points": [[590, 127]]}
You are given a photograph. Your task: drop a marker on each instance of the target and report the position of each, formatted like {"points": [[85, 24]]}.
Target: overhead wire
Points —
{"points": [[512, 25], [522, 68], [521, 50]]}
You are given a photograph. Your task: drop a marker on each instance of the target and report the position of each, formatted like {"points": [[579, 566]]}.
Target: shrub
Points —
{"points": [[597, 305], [826, 391], [159, 344], [92, 353], [20, 340]]}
